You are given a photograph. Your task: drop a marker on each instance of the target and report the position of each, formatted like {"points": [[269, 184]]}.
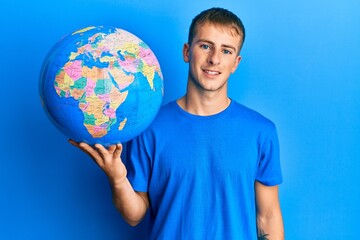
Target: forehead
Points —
{"points": [[217, 33]]}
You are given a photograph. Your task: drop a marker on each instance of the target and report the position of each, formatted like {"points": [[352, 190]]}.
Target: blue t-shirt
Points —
{"points": [[199, 171]]}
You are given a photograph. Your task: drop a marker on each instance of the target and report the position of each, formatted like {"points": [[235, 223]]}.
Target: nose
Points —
{"points": [[214, 58]]}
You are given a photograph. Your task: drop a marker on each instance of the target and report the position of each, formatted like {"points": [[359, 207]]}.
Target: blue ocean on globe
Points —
{"points": [[101, 85]]}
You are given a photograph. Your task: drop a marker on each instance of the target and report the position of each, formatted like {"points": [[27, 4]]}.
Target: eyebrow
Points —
{"points": [[212, 43]]}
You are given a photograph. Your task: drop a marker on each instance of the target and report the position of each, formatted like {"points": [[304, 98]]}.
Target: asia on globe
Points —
{"points": [[101, 85]]}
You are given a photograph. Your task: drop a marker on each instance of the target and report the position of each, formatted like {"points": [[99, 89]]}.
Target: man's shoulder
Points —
{"points": [[169, 106], [165, 114], [167, 109], [248, 114]]}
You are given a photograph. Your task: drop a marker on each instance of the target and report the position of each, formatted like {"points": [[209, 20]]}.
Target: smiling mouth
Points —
{"points": [[211, 72]]}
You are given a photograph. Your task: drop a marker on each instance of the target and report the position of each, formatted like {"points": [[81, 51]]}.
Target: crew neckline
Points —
{"points": [[213, 116]]}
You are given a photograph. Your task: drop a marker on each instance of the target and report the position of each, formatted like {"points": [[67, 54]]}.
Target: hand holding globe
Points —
{"points": [[108, 159]]}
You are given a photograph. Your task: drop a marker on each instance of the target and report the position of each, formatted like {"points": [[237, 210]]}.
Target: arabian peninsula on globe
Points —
{"points": [[101, 85]]}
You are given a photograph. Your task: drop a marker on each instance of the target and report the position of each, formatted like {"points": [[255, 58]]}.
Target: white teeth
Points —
{"points": [[212, 72]]}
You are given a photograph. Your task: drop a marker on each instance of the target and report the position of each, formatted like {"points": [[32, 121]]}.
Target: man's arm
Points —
{"points": [[269, 218], [131, 204]]}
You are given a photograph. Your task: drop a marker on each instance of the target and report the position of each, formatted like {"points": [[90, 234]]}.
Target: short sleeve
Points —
{"points": [[138, 165], [269, 169]]}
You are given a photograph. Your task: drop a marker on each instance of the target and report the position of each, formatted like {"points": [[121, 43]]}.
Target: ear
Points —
{"points": [[186, 52], [236, 64]]}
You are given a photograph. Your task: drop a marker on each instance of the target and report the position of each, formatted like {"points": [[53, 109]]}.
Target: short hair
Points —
{"points": [[221, 17]]}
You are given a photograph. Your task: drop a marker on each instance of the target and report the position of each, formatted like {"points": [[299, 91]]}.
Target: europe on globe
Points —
{"points": [[101, 85]]}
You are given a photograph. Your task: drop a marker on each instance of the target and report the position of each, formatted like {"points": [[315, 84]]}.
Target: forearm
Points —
{"points": [[131, 204], [270, 226]]}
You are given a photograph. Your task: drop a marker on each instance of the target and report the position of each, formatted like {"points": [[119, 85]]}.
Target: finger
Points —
{"points": [[101, 150], [111, 149], [93, 153], [72, 142], [118, 150]]}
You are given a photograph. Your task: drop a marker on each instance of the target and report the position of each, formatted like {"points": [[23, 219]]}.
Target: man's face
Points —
{"points": [[212, 57]]}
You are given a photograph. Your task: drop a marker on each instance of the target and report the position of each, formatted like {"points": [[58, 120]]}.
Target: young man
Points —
{"points": [[207, 167]]}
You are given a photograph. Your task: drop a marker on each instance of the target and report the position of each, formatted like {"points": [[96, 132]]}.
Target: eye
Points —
{"points": [[205, 46], [225, 51]]}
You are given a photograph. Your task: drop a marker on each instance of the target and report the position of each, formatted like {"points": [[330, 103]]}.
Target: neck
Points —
{"points": [[204, 105]]}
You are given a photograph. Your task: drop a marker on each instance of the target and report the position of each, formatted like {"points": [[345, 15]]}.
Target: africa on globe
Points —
{"points": [[101, 85]]}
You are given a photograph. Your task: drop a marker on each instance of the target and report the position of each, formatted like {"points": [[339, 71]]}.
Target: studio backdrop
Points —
{"points": [[300, 68]]}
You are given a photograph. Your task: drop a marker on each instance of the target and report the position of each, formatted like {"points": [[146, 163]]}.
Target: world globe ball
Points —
{"points": [[101, 85]]}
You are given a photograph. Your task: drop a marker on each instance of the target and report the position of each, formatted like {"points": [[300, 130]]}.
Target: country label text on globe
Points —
{"points": [[101, 85]]}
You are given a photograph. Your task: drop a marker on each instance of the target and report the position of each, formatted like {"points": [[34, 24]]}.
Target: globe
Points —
{"points": [[101, 85]]}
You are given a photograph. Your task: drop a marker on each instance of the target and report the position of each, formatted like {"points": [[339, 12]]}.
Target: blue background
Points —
{"points": [[300, 68]]}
